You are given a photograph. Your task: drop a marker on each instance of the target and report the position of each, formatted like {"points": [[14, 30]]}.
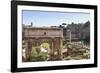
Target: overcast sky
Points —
{"points": [[44, 18]]}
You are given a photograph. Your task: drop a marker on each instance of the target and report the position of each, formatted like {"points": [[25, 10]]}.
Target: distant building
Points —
{"points": [[78, 31]]}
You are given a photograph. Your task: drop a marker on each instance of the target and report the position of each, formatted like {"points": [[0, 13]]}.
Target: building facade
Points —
{"points": [[78, 31]]}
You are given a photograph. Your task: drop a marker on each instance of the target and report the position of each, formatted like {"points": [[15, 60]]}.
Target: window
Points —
{"points": [[44, 33]]}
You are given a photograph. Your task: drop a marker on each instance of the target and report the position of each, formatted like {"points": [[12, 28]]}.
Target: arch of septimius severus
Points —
{"points": [[35, 36]]}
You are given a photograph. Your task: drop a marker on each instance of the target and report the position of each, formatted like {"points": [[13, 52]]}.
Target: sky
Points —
{"points": [[47, 18]]}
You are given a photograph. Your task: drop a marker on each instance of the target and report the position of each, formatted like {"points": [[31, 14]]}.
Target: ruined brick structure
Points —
{"points": [[35, 36]]}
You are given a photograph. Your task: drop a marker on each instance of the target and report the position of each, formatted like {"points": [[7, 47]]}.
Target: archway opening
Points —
{"points": [[45, 47]]}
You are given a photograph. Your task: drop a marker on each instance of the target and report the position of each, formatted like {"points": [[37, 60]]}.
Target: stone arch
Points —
{"points": [[54, 46]]}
